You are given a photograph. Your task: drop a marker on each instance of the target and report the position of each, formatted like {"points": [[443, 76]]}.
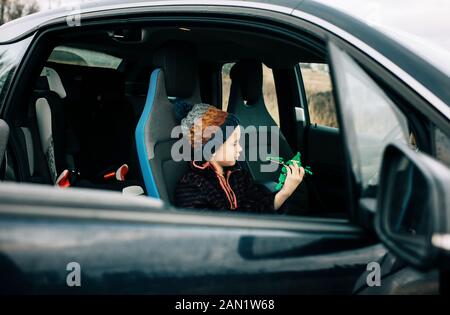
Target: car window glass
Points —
{"points": [[442, 146], [370, 118], [319, 94]]}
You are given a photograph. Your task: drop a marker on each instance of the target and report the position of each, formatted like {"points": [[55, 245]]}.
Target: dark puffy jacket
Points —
{"points": [[203, 188]]}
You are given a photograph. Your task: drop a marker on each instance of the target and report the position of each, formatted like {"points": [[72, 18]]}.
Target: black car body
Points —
{"points": [[142, 245]]}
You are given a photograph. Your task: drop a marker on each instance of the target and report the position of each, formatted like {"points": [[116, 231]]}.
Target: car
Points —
{"points": [[355, 87]]}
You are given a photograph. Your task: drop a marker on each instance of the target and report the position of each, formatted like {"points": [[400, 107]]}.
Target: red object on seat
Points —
{"points": [[63, 179], [109, 175], [122, 172]]}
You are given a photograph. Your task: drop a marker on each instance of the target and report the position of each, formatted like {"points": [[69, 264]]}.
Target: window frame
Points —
{"points": [[5, 88]]}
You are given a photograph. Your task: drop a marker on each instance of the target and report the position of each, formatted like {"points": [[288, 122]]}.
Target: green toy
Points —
{"points": [[283, 174]]}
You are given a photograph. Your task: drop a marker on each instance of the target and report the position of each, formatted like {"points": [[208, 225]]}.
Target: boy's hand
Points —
{"points": [[294, 176]]}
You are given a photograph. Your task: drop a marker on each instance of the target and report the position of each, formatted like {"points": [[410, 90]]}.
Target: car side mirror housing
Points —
{"points": [[413, 207]]}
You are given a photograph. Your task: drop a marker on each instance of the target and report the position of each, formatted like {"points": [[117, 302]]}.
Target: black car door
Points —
{"points": [[81, 241]]}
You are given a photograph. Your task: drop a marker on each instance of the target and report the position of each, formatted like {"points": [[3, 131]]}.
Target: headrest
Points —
{"points": [[179, 63], [54, 81], [247, 74], [42, 84]]}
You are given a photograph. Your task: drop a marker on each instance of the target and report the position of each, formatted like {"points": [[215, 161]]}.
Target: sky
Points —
{"points": [[51, 4], [421, 26]]}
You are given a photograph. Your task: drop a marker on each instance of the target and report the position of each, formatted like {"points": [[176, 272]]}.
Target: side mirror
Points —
{"points": [[413, 207]]}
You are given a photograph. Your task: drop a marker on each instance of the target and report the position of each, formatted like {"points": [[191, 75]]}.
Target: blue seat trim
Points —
{"points": [[144, 163]]}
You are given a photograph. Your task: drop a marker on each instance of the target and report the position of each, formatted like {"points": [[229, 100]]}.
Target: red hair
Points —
{"points": [[203, 129]]}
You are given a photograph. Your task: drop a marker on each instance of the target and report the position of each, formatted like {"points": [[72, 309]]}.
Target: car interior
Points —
{"points": [[94, 113]]}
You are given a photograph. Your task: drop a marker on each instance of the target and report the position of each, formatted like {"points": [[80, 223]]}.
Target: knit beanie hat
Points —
{"points": [[205, 126]]}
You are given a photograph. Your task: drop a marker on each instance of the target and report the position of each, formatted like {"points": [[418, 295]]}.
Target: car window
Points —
{"points": [[319, 94], [269, 92], [83, 57], [442, 146], [371, 119], [10, 57]]}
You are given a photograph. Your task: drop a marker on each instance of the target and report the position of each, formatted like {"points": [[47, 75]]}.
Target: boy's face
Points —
{"points": [[229, 151]]}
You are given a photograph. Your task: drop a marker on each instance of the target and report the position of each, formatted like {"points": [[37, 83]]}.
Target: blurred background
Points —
{"points": [[13, 9]]}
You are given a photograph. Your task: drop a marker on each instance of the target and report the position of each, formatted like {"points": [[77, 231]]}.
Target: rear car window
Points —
{"points": [[319, 94], [84, 57]]}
